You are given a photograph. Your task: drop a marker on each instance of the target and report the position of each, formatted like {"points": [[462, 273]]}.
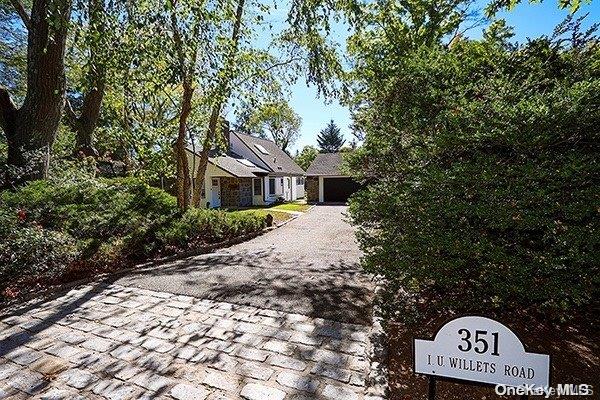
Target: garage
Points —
{"points": [[338, 189], [326, 181]]}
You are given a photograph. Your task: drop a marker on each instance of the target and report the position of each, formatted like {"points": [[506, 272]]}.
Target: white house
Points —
{"points": [[253, 171]]}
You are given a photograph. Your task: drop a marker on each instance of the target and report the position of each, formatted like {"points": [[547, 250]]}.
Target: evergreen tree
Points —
{"points": [[330, 139]]}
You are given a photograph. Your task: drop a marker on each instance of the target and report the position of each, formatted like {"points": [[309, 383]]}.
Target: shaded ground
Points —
{"points": [[104, 341], [309, 266]]}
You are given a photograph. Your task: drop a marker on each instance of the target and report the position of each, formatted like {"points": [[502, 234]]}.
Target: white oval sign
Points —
{"points": [[482, 350]]}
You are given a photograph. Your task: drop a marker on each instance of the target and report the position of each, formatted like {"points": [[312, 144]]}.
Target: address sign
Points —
{"points": [[482, 350]]}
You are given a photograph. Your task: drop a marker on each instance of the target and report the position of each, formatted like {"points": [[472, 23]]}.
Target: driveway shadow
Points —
{"points": [[337, 290]]}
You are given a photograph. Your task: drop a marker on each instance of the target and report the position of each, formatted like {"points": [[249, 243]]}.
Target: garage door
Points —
{"points": [[338, 189]]}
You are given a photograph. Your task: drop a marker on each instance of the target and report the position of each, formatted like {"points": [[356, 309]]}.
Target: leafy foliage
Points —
{"points": [[275, 121], [306, 157], [49, 228], [481, 161]]}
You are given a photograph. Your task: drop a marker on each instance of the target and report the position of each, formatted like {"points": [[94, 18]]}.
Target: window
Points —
{"points": [[215, 182], [299, 180], [257, 182], [289, 183], [272, 186], [247, 163], [261, 149]]}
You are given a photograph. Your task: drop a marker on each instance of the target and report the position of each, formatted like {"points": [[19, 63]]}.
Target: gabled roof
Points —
{"points": [[234, 164], [326, 164], [277, 160]]}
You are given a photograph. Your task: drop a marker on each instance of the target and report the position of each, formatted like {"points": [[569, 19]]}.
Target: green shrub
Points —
{"points": [[202, 226], [34, 252], [46, 226], [482, 162], [93, 210]]}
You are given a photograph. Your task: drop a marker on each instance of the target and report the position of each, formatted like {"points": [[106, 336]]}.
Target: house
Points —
{"points": [[253, 171], [326, 182]]}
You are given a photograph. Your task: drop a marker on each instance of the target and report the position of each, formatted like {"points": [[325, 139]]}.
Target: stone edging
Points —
{"points": [[377, 380], [139, 267]]}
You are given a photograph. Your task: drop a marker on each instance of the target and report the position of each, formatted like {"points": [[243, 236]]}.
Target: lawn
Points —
{"points": [[291, 207], [278, 216]]}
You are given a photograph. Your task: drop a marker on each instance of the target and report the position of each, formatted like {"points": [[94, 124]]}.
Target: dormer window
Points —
{"points": [[261, 149]]}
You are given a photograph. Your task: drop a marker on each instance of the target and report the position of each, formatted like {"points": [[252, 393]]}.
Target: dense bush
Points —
{"points": [[483, 163], [49, 227], [209, 226]]}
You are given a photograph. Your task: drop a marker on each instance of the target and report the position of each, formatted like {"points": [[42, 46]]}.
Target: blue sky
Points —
{"points": [[528, 20]]}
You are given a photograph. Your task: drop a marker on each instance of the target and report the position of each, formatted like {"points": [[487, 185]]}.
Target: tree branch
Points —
{"points": [[71, 115], [20, 9]]}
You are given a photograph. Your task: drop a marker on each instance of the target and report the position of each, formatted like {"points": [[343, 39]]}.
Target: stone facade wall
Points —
{"points": [[236, 192], [230, 192], [312, 189], [245, 185]]}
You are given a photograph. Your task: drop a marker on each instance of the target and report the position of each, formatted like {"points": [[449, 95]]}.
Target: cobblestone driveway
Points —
{"points": [[114, 342]]}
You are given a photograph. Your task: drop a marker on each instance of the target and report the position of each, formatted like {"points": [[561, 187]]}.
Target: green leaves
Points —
{"points": [[480, 161]]}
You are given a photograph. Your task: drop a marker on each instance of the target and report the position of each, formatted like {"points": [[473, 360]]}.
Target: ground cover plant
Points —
{"points": [[50, 229]]}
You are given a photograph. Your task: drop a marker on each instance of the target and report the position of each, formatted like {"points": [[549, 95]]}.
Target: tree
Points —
{"points": [[330, 139], [306, 157], [31, 129], [13, 51], [275, 121], [98, 43], [223, 91], [481, 193]]}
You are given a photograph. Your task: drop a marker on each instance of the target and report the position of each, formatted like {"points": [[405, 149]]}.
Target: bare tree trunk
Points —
{"points": [[183, 182], [31, 130], [223, 95], [206, 145], [85, 124], [183, 170]]}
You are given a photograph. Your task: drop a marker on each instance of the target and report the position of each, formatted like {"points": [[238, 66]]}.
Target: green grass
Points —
{"points": [[291, 207], [278, 216]]}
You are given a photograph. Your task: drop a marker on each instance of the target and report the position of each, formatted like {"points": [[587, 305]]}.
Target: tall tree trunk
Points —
{"points": [[223, 93], [203, 163], [31, 130], [183, 182], [85, 124], [183, 169]]}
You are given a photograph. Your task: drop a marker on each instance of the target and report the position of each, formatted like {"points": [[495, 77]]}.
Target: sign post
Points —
{"points": [[479, 349]]}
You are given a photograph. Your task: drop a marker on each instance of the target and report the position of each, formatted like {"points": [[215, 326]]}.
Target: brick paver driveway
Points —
{"points": [[111, 341]]}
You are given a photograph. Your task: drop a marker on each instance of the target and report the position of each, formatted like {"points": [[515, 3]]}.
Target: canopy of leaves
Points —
{"points": [[306, 157], [275, 121], [481, 160]]}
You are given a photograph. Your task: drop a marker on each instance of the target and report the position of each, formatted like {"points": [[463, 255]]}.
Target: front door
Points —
{"points": [[215, 192]]}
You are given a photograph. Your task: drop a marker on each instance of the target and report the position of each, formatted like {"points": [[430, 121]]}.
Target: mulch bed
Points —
{"points": [[574, 347]]}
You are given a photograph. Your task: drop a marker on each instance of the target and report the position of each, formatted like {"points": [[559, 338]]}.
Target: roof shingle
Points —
{"points": [[233, 163], [277, 160], [326, 164]]}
